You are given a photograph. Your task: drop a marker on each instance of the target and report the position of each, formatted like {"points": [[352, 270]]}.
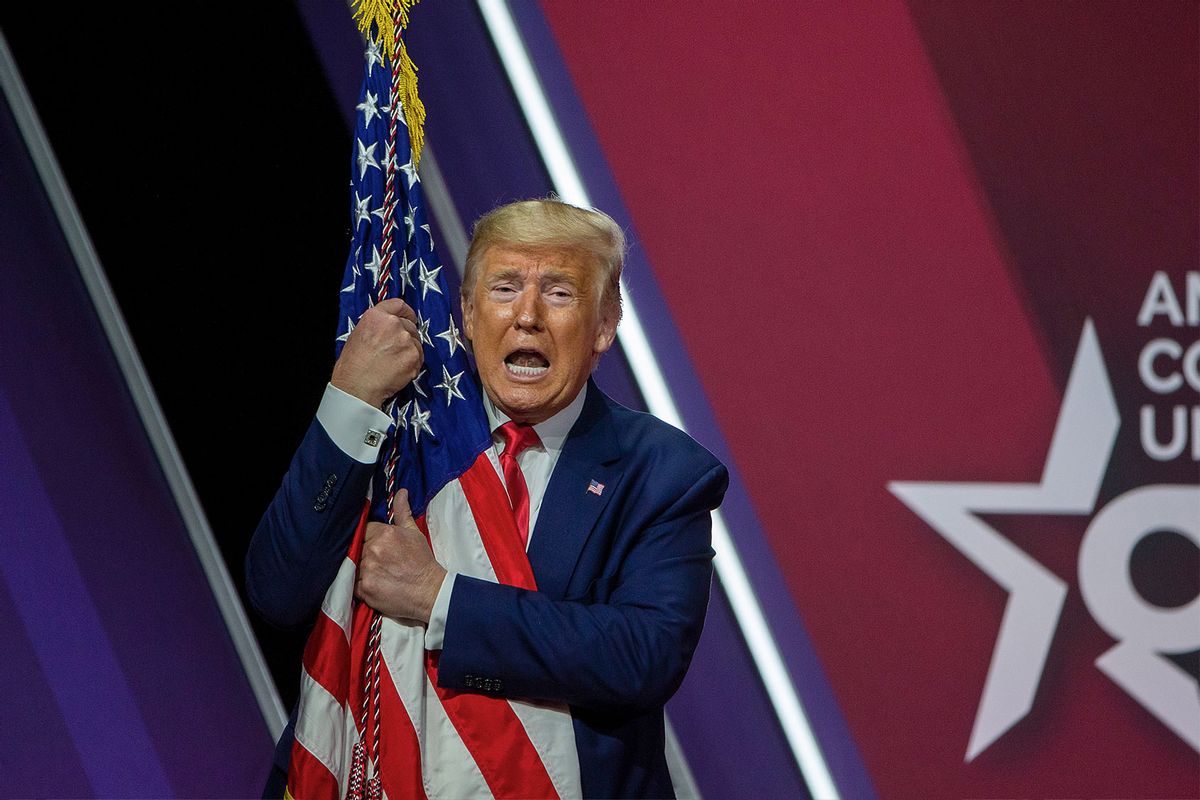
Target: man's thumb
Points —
{"points": [[402, 510]]}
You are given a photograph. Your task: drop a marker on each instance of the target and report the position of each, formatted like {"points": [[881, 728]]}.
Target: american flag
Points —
{"points": [[392, 255], [389, 712]]}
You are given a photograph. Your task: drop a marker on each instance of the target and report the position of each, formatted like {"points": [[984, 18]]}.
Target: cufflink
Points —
{"points": [[373, 438]]}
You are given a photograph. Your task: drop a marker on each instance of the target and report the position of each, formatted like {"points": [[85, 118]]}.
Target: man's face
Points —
{"points": [[534, 320]]}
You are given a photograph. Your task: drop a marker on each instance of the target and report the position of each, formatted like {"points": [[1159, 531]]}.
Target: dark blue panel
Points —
{"points": [[724, 721]]}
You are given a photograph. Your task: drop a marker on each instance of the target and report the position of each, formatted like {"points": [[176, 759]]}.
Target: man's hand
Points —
{"points": [[382, 354], [397, 574]]}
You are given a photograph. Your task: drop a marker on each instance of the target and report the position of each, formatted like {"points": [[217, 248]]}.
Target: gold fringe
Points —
{"points": [[377, 14], [414, 109]]}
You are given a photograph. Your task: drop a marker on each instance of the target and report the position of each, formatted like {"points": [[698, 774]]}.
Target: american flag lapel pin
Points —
{"points": [[596, 488]]}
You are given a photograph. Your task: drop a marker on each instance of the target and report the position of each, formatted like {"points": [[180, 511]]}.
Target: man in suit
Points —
{"points": [[615, 504]]}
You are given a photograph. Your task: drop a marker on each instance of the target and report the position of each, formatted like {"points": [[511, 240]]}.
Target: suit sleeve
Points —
{"points": [[304, 535], [626, 649]]}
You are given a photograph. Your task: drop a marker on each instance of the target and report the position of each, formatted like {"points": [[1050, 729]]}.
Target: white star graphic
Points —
{"points": [[409, 223], [360, 209], [375, 265], [405, 273], [420, 422], [373, 56], [449, 385], [410, 172], [428, 233], [428, 280], [451, 336], [381, 213], [423, 330], [402, 415], [349, 287], [366, 158], [416, 384], [1079, 452], [349, 328], [369, 108]]}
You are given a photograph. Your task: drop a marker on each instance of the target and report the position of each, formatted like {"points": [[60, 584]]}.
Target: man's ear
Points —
{"points": [[606, 333], [468, 312]]}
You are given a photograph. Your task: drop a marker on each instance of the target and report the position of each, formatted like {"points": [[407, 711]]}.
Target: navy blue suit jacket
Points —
{"points": [[623, 581]]}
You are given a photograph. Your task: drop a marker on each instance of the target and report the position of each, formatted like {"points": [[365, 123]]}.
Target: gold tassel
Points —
{"points": [[414, 109], [378, 14]]}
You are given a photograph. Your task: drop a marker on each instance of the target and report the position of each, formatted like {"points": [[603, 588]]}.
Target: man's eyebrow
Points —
{"points": [[558, 276], [506, 274]]}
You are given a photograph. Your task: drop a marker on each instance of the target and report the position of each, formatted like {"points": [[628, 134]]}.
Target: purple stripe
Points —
{"points": [[65, 630], [34, 733], [802, 662]]}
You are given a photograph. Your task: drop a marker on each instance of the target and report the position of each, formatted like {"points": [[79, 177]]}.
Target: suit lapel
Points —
{"points": [[569, 511]]}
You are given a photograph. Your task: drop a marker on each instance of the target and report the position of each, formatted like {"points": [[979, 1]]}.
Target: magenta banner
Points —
{"points": [[935, 266]]}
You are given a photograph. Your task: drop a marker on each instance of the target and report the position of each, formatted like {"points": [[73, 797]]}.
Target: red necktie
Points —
{"points": [[516, 438]]}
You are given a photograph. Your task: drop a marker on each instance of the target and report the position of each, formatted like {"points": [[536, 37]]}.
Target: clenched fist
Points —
{"points": [[397, 574], [382, 355]]}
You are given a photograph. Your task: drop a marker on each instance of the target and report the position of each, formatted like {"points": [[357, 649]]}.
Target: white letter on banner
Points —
{"points": [[1160, 299], [1161, 384], [1150, 443]]}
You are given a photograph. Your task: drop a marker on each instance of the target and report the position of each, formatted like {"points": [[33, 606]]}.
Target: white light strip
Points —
{"points": [[537, 111], [653, 385], [132, 370]]}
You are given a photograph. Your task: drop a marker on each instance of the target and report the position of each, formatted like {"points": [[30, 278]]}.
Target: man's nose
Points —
{"points": [[528, 309]]}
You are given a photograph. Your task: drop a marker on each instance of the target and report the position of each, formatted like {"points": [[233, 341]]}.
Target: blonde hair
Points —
{"points": [[551, 223]]}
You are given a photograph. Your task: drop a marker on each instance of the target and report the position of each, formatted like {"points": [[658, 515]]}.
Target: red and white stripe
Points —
{"points": [[434, 743]]}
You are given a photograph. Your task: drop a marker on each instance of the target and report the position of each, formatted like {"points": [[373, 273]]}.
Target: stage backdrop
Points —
{"points": [[936, 266], [925, 275]]}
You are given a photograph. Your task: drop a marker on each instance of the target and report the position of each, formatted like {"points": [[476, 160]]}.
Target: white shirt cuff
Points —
{"points": [[435, 631], [354, 425]]}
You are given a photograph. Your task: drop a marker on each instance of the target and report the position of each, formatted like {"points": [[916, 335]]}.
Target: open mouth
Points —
{"points": [[527, 363]]}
